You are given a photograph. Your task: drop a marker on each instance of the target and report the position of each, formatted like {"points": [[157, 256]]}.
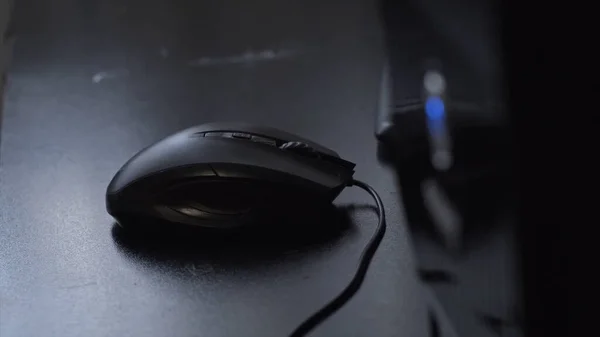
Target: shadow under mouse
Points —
{"points": [[169, 248]]}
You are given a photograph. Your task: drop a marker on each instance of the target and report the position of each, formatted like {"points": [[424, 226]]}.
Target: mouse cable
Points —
{"points": [[363, 264]]}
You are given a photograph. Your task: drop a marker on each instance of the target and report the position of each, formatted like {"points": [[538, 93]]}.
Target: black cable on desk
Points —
{"points": [[363, 264]]}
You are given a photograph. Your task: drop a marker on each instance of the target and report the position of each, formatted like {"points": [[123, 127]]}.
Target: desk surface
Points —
{"points": [[92, 82]]}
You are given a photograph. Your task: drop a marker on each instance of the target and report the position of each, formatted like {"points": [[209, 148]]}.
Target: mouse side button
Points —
{"points": [[132, 175]]}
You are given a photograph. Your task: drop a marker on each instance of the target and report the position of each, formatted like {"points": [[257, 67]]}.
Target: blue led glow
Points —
{"points": [[434, 108]]}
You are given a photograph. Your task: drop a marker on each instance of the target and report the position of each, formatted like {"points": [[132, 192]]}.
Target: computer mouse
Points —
{"points": [[223, 176], [226, 175]]}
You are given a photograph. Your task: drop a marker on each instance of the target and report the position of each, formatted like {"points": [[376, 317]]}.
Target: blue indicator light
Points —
{"points": [[434, 108], [436, 126]]}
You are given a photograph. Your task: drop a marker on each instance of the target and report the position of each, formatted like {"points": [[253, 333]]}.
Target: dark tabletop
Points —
{"points": [[93, 82]]}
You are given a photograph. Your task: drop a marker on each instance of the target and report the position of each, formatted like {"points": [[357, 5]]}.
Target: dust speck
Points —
{"points": [[105, 75], [164, 52]]}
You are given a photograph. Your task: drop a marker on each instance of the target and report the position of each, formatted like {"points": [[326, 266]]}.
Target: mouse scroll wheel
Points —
{"points": [[300, 148]]}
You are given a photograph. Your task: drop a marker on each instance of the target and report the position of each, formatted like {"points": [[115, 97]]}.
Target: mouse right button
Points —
{"points": [[263, 140], [218, 134]]}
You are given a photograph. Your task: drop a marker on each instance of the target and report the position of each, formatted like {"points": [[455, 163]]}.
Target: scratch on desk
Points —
{"points": [[105, 75], [292, 252], [248, 57], [199, 271], [80, 285]]}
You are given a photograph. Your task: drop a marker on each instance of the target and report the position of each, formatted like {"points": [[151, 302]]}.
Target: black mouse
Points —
{"points": [[223, 176], [226, 175]]}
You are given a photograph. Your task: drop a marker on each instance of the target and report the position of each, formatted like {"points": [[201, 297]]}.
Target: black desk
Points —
{"points": [[92, 82]]}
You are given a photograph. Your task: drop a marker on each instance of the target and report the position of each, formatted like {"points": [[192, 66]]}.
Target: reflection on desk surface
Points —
{"points": [[93, 82]]}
